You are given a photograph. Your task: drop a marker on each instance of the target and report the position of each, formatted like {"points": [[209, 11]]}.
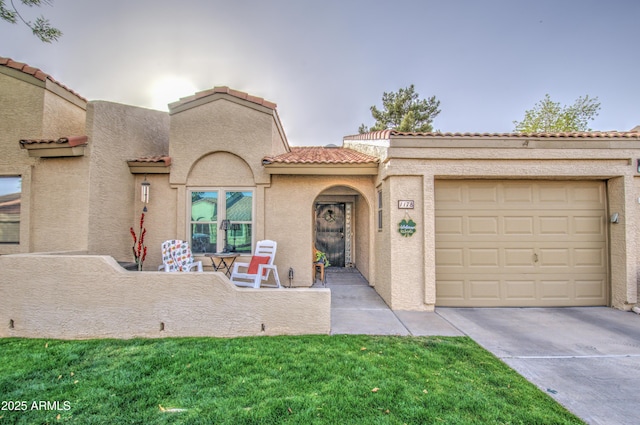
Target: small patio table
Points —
{"points": [[225, 261]]}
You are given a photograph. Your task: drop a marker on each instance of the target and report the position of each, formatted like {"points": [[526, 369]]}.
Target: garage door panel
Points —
{"points": [[449, 225], [555, 289], [554, 258], [484, 257], [450, 257], [590, 288], [589, 258], [588, 194], [518, 226], [451, 290], [480, 289], [483, 225], [553, 194], [521, 289], [482, 193], [588, 225], [449, 194], [520, 243], [554, 225], [519, 257], [519, 193]]}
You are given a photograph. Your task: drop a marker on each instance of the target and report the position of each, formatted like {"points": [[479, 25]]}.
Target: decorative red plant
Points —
{"points": [[139, 249]]}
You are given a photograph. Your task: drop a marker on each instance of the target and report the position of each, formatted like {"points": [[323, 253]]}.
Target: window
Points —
{"points": [[10, 192], [379, 210], [221, 220]]}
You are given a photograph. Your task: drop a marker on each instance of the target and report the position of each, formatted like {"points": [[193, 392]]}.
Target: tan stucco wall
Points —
{"points": [[414, 164], [636, 233], [60, 297], [364, 222], [54, 191], [63, 115], [289, 219], [20, 117], [407, 289], [220, 143], [59, 204], [222, 125], [159, 220], [118, 133]]}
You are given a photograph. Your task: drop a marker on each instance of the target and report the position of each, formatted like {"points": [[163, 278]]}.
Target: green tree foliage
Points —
{"points": [[404, 111], [548, 116], [41, 28]]}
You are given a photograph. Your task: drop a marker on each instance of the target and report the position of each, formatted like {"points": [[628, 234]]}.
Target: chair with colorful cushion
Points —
{"points": [[177, 257], [256, 273]]}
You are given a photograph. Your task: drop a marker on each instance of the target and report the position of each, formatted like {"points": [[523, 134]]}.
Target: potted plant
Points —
{"points": [[321, 257]]}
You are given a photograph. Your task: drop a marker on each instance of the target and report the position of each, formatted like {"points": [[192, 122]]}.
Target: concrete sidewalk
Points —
{"points": [[586, 358], [356, 308]]}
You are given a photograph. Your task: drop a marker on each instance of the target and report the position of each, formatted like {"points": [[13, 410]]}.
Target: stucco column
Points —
{"points": [[181, 213], [407, 252], [623, 236], [428, 185]]}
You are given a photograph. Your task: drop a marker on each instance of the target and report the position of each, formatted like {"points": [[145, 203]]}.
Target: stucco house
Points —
{"points": [[429, 219]]}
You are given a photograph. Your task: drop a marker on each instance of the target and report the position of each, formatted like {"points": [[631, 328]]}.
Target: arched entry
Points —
{"points": [[341, 228]]}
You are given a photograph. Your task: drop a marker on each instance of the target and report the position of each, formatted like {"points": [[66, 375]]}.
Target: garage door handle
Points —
{"points": [[535, 258]]}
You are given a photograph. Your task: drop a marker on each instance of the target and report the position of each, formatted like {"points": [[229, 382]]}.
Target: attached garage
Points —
{"points": [[525, 243]]}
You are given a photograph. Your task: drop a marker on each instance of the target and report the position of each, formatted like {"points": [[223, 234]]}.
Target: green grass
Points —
{"points": [[268, 380]]}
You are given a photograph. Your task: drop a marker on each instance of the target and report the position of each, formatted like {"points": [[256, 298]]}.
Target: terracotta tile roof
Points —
{"points": [[224, 90], [386, 134], [373, 135], [71, 140], [321, 155], [154, 159], [35, 72]]}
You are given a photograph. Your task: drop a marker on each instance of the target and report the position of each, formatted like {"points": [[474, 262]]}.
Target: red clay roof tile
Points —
{"points": [[386, 134], [71, 140], [321, 155], [35, 72], [154, 159], [225, 90]]}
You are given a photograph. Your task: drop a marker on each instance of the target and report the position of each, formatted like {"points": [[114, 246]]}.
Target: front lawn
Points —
{"points": [[266, 380]]}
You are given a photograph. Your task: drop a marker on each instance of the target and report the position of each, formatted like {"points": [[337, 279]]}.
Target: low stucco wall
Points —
{"points": [[80, 296]]}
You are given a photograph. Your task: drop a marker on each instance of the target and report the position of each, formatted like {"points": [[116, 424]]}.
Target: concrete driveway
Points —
{"points": [[586, 358]]}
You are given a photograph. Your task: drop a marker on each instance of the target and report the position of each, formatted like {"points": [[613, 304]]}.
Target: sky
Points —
{"points": [[325, 63]]}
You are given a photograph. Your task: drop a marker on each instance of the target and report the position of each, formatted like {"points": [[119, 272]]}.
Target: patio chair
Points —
{"points": [[257, 271], [177, 257]]}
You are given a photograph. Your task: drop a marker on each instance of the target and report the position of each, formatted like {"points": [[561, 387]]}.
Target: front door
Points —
{"points": [[330, 232]]}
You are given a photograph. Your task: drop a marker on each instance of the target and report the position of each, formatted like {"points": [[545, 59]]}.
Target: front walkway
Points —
{"points": [[356, 308]]}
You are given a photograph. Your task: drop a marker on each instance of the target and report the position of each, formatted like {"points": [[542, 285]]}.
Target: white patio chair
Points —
{"points": [[257, 272], [177, 257]]}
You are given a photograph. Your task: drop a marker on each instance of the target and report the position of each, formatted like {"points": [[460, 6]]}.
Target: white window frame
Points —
{"points": [[222, 212]]}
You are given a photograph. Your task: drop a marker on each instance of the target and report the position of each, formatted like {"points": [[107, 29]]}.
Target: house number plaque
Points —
{"points": [[405, 205]]}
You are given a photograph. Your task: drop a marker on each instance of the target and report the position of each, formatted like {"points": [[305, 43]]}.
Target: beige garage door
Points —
{"points": [[521, 243]]}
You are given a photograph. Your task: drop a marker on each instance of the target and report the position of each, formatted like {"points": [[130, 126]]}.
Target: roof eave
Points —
{"points": [[159, 165], [62, 147]]}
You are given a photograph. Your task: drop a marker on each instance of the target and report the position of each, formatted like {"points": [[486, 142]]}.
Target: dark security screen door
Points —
{"points": [[330, 232]]}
